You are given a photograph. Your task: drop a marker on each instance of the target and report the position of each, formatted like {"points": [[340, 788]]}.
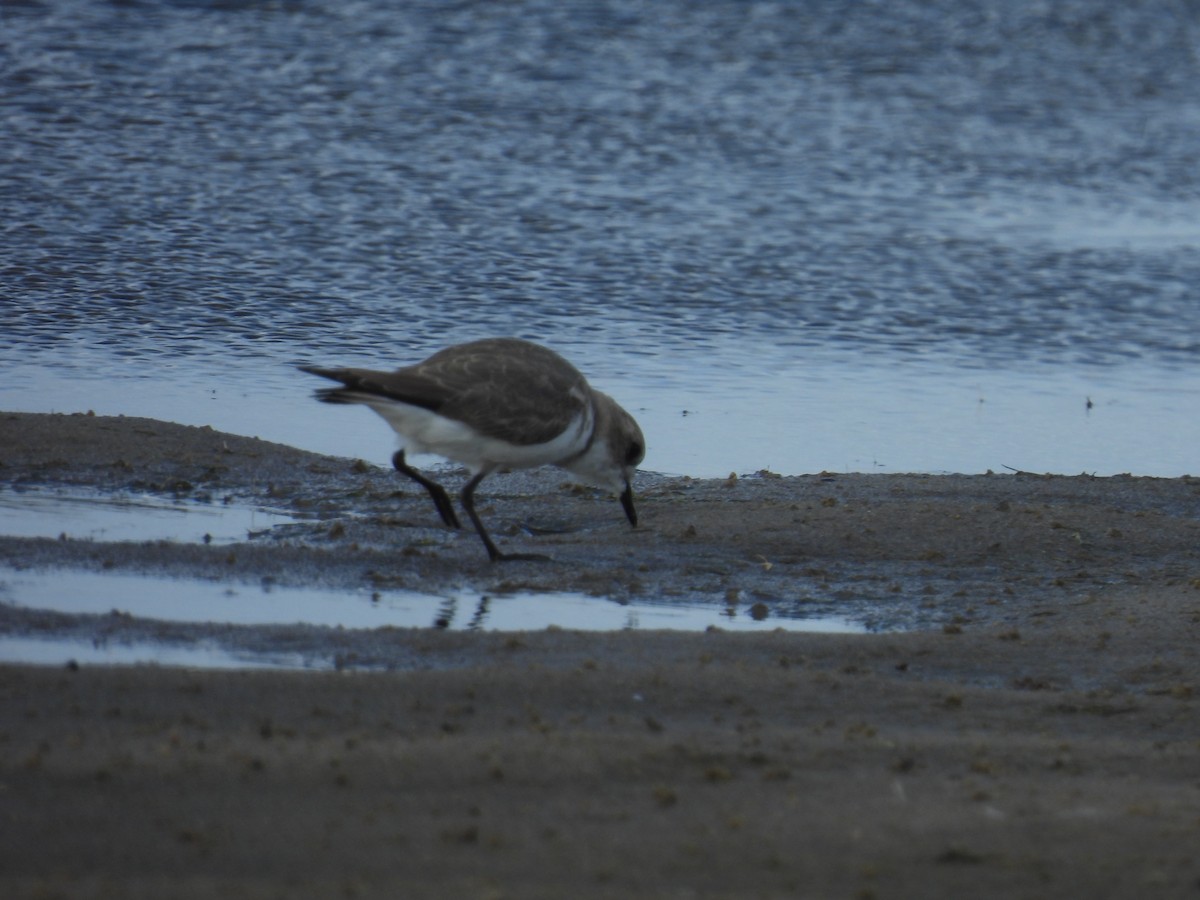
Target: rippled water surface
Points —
{"points": [[905, 236]]}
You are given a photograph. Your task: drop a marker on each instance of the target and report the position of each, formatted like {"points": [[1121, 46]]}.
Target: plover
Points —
{"points": [[499, 403]]}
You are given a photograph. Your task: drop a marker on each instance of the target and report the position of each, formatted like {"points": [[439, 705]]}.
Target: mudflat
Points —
{"points": [[1022, 722]]}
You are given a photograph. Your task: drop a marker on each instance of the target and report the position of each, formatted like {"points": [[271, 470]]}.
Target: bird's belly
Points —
{"points": [[423, 431]]}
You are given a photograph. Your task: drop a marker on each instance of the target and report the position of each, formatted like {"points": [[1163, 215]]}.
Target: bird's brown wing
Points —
{"points": [[504, 388]]}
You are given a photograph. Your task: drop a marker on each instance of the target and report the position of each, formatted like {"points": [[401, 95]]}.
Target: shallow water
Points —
{"points": [[824, 231], [240, 618], [79, 515], [42, 651], [804, 418], [138, 604], [182, 600]]}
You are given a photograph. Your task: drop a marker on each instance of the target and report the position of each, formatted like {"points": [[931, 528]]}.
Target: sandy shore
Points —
{"points": [[1032, 732]]}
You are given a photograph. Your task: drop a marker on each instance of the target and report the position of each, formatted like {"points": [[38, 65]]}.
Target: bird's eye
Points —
{"points": [[633, 454]]}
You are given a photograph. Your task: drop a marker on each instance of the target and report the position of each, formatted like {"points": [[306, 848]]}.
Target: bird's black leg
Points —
{"points": [[468, 502], [440, 498]]}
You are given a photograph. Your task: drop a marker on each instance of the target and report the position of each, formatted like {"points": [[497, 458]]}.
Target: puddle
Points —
{"points": [[107, 617], [183, 600], [132, 605], [130, 517], [204, 655]]}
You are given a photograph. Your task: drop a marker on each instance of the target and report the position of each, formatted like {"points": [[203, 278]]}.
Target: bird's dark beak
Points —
{"points": [[627, 504]]}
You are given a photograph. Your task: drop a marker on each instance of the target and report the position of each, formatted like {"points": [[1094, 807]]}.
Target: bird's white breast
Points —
{"points": [[424, 431]]}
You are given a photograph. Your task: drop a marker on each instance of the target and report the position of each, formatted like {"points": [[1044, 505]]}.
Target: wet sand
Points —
{"points": [[1033, 731]]}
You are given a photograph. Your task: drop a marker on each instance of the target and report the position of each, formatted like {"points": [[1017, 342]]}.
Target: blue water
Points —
{"points": [[904, 236]]}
